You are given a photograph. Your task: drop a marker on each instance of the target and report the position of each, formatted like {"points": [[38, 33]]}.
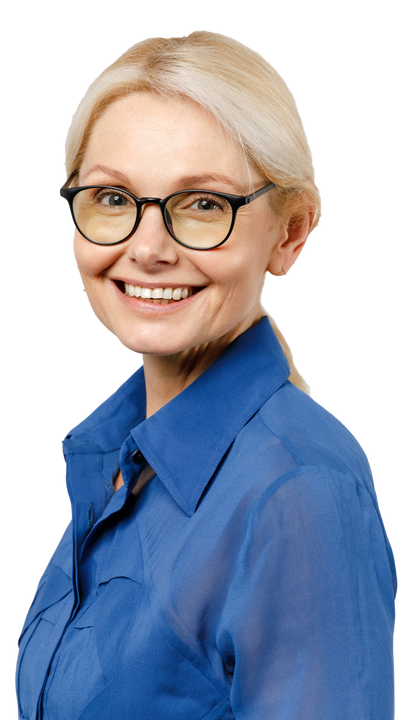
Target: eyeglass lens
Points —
{"points": [[197, 219]]}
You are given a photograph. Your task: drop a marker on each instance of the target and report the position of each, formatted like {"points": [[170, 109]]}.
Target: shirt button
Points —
{"points": [[138, 457]]}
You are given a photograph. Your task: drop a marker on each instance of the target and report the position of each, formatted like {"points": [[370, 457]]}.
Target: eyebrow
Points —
{"points": [[187, 182], [108, 171]]}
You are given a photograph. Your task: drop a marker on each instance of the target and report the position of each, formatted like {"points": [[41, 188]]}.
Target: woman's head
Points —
{"points": [[171, 115]]}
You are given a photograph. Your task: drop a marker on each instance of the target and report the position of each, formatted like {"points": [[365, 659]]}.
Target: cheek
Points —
{"points": [[241, 266], [92, 260], [84, 255]]}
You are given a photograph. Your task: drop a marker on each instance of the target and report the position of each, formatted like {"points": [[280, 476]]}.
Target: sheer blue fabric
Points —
{"points": [[249, 578]]}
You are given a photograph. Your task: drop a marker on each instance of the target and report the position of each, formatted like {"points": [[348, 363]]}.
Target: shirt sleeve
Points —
{"points": [[307, 626]]}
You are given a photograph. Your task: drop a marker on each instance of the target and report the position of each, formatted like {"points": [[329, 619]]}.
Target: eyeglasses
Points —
{"points": [[197, 219]]}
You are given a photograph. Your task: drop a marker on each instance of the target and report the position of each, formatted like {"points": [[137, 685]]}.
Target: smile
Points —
{"points": [[158, 295]]}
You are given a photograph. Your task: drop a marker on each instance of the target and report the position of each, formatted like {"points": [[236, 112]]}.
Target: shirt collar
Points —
{"points": [[185, 440]]}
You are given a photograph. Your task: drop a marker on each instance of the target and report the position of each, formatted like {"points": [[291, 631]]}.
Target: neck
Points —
{"points": [[166, 376]]}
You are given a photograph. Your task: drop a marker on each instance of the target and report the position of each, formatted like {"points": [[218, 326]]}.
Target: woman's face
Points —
{"points": [[154, 147]]}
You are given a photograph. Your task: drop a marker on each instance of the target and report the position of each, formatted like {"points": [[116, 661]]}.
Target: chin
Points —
{"points": [[154, 343]]}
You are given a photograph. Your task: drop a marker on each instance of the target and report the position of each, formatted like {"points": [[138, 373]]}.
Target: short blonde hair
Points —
{"points": [[240, 89]]}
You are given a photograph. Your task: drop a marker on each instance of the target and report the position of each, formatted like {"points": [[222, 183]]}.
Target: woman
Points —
{"points": [[226, 557]]}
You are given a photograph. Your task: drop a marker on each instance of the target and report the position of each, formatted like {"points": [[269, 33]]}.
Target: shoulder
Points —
{"points": [[294, 444], [313, 436]]}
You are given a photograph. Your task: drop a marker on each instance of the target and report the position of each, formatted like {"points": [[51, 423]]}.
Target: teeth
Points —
{"points": [[156, 294]]}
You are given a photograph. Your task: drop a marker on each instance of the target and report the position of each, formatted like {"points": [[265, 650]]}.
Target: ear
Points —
{"points": [[289, 245]]}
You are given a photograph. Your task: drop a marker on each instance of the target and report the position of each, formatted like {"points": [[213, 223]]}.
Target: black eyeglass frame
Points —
{"points": [[236, 201]]}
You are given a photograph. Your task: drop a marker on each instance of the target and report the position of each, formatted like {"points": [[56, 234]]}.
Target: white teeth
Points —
{"points": [[133, 290], [156, 294]]}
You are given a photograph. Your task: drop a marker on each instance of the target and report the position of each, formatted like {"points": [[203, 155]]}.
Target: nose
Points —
{"points": [[151, 245]]}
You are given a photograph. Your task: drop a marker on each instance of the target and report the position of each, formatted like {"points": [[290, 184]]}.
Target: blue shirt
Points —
{"points": [[249, 578]]}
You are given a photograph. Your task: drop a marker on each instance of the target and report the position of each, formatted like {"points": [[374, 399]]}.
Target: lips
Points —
{"points": [[157, 305], [157, 295]]}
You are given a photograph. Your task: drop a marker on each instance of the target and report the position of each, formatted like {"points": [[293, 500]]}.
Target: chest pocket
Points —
{"points": [[109, 613], [107, 619], [55, 586]]}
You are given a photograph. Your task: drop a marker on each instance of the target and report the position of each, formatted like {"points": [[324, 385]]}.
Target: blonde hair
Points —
{"points": [[240, 89]]}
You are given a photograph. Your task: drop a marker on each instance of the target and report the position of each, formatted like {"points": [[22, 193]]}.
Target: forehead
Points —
{"points": [[145, 135]]}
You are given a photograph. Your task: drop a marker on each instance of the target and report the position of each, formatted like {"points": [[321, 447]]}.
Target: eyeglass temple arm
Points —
{"points": [[262, 191]]}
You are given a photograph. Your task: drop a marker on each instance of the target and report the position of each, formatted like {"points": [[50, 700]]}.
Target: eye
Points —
{"points": [[112, 198], [205, 204], [200, 207]]}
